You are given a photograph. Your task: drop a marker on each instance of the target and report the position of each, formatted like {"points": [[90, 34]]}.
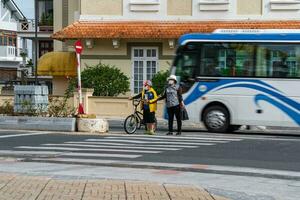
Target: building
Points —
{"points": [[10, 42], [139, 36], [26, 30]]}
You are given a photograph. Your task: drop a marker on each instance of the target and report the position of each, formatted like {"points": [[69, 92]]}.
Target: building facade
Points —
{"points": [[139, 36], [10, 42], [26, 30]]}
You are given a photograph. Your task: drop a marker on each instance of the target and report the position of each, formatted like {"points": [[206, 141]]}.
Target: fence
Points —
{"points": [[101, 106]]}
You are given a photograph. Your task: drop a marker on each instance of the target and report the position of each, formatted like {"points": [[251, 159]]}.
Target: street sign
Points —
{"points": [[78, 47]]}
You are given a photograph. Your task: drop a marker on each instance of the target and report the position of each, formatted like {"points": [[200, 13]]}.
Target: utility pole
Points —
{"points": [[36, 14]]}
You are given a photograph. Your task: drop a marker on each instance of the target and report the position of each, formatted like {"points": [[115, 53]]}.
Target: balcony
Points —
{"points": [[9, 53], [29, 26]]}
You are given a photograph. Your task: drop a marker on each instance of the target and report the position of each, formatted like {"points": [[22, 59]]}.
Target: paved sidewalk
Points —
{"points": [[20, 187]]}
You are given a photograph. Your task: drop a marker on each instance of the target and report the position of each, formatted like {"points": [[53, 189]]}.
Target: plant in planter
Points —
{"points": [[23, 54], [106, 80], [43, 20]]}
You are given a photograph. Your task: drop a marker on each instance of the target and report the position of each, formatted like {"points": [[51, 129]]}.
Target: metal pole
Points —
{"points": [[36, 14], [80, 107]]}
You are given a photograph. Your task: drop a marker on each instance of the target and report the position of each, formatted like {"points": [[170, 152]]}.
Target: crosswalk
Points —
{"points": [[115, 148]]}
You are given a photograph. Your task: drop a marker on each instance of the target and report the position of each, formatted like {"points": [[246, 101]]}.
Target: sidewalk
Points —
{"points": [[20, 187]]}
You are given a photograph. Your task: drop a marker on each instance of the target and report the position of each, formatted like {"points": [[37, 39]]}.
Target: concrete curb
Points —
{"points": [[212, 169], [38, 123]]}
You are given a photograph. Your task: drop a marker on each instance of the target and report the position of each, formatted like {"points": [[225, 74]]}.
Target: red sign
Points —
{"points": [[78, 47]]}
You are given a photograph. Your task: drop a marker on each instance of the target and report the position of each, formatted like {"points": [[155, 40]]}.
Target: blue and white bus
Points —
{"points": [[237, 78]]}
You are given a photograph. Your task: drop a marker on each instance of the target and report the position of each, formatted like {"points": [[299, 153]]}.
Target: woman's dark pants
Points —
{"points": [[171, 112]]}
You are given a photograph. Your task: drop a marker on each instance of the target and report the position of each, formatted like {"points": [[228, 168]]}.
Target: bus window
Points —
{"points": [[186, 66], [278, 61], [227, 59]]}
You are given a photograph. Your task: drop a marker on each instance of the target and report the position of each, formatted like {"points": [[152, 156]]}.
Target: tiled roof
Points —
{"points": [[159, 29]]}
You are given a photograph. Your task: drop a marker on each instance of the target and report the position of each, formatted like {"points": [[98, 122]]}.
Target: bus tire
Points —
{"points": [[216, 119]]}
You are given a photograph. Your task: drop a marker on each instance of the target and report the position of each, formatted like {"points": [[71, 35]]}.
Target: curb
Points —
{"points": [[211, 169]]}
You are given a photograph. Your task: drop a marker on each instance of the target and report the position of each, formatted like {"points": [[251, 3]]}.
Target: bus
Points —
{"points": [[232, 78]]}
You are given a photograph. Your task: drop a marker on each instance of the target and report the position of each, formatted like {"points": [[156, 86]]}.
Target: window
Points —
{"points": [[145, 64], [227, 60], [45, 47], [244, 60], [187, 65], [275, 60]]}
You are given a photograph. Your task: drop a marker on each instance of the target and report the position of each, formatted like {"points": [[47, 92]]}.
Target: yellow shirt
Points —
{"points": [[152, 102]]}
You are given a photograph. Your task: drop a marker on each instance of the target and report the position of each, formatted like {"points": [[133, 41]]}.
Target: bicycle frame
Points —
{"points": [[137, 113]]}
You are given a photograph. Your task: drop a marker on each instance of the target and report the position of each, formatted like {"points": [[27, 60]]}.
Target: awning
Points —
{"points": [[160, 29], [58, 64]]}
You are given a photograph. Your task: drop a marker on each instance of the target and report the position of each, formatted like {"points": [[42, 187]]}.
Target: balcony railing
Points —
{"points": [[29, 26], [8, 51]]}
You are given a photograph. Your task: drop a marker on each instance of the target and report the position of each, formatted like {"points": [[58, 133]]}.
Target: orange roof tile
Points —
{"points": [[159, 29]]}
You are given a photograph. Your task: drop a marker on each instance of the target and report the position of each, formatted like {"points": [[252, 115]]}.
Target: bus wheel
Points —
{"points": [[216, 119]]}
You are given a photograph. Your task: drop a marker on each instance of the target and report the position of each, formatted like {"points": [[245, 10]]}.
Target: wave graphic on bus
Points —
{"points": [[290, 112], [250, 84]]}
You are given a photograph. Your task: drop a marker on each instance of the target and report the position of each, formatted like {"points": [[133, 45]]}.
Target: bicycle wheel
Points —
{"points": [[131, 124]]}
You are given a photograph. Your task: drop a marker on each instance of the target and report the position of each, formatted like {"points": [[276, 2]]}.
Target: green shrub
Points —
{"points": [[7, 108], [58, 107], [106, 80], [159, 81]]}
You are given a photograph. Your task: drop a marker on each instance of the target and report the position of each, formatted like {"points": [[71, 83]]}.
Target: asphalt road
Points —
{"points": [[271, 152]]}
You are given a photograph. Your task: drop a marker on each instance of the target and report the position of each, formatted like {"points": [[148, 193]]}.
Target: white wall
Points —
{"points": [[6, 22], [197, 14]]}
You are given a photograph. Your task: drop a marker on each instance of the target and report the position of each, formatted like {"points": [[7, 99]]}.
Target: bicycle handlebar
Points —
{"points": [[136, 102]]}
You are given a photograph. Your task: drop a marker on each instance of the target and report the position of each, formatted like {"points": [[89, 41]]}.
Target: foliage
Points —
{"points": [[23, 54], [106, 80], [159, 81], [6, 108], [29, 109], [29, 63], [46, 19], [59, 108]]}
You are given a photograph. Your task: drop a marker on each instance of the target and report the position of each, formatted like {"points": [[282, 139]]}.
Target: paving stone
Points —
{"points": [[187, 193], [16, 187], [23, 188], [63, 190]]}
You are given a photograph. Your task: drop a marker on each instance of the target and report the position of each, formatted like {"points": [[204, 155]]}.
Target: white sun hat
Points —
{"points": [[172, 77]]}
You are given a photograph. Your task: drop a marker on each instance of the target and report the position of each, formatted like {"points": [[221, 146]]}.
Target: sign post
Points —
{"points": [[78, 49]]}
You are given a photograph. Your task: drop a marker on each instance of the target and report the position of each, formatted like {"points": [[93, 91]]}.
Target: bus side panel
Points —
{"points": [[287, 101], [243, 110], [196, 108], [251, 101]]}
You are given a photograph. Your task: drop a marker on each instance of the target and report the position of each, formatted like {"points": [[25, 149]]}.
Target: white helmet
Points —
{"points": [[148, 82], [172, 77]]}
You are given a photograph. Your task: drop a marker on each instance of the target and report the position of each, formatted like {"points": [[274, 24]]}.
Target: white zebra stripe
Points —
{"points": [[145, 142], [194, 138], [170, 139], [86, 144], [22, 135], [87, 149], [140, 145], [8, 152]]}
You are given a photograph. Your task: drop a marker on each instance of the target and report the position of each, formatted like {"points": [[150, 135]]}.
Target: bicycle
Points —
{"points": [[135, 121]]}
